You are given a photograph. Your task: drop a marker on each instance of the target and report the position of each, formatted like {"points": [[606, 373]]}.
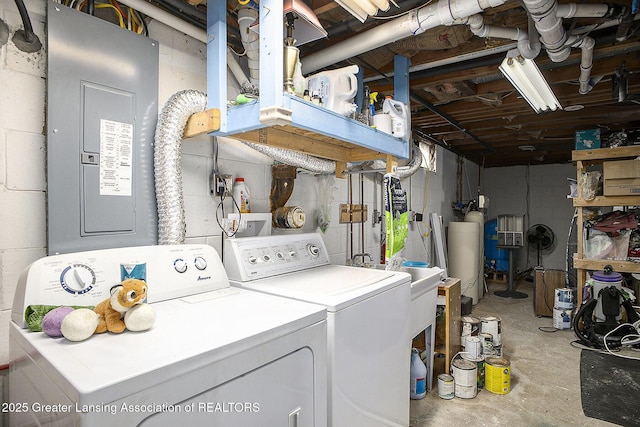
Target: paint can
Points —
{"points": [[465, 374], [487, 343], [479, 361], [497, 375], [473, 347], [562, 318], [492, 325], [446, 386], [470, 327], [564, 299]]}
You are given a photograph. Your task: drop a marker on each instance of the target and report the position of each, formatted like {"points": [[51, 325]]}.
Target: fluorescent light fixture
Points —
{"points": [[525, 76]]}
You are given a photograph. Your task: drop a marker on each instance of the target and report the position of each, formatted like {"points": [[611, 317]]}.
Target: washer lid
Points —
{"points": [[334, 286]]}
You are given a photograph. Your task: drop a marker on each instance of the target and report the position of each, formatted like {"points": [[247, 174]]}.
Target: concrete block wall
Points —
{"points": [[22, 159], [182, 66], [540, 194]]}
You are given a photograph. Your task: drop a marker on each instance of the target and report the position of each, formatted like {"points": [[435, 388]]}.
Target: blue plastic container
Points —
{"points": [[419, 264], [496, 259]]}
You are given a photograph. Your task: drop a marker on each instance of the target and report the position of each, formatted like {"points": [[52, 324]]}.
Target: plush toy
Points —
{"points": [[52, 321], [79, 325], [140, 317], [123, 297]]}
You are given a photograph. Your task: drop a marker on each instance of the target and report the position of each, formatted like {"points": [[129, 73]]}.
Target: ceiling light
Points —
{"points": [[525, 76], [361, 9], [574, 107]]}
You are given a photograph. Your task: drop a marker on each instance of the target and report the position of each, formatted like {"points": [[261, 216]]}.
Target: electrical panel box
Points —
{"points": [[102, 106]]}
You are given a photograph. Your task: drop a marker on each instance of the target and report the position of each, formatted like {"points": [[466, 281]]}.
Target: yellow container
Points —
{"points": [[497, 375]]}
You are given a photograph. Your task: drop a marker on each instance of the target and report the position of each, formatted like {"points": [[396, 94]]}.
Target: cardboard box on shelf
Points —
{"points": [[621, 177]]}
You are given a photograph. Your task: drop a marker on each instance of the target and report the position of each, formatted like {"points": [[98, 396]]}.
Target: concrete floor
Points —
{"points": [[545, 375]]}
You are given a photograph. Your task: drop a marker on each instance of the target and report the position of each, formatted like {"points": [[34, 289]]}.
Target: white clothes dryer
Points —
{"points": [[367, 321], [216, 355]]}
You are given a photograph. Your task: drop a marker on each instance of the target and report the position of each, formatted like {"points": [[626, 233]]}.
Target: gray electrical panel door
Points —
{"points": [[102, 107]]}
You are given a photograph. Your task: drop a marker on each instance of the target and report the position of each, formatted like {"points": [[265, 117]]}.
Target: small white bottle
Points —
{"points": [[241, 196]]}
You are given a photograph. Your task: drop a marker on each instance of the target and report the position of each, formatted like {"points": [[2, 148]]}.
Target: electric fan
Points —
{"points": [[541, 236]]}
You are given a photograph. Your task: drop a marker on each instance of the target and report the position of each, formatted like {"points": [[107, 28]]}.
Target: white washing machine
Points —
{"points": [[367, 321], [216, 355]]}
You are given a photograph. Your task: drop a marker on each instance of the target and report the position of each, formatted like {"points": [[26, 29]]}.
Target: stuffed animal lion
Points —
{"points": [[123, 297]]}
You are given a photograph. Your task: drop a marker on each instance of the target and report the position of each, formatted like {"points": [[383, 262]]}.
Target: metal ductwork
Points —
{"points": [[168, 176]]}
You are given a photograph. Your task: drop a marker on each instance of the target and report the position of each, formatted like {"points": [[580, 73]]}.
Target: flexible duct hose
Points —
{"points": [[293, 158], [413, 166], [168, 177]]}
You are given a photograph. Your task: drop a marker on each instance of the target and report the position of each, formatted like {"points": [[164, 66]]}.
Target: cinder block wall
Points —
{"points": [[540, 194]]}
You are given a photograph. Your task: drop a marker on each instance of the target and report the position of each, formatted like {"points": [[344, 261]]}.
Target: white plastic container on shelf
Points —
{"points": [[337, 88], [241, 196], [399, 117]]}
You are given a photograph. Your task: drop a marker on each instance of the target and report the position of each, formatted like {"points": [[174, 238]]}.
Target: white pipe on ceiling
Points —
{"points": [[444, 12], [547, 16], [586, 44], [167, 19], [527, 49]]}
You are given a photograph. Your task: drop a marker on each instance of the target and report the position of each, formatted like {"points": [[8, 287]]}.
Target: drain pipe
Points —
{"points": [[445, 12], [525, 47], [586, 44], [251, 41], [547, 16]]}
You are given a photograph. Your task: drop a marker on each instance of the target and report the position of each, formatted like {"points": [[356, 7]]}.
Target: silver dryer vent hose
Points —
{"points": [[168, 177], [293, 158]]}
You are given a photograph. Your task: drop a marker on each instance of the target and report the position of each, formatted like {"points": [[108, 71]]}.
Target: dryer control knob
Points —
{"points": [[313, 249], [180, 265], [200, 263], [252, 259]]}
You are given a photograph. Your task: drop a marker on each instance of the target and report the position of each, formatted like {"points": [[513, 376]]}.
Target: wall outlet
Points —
{"points": [[220, 184]]}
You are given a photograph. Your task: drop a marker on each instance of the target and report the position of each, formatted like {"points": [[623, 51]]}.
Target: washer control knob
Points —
{"points": [[200, 263], [292, 254], [313, 249], [266, 258], [252, 259], [180, 265], [279, 255]]}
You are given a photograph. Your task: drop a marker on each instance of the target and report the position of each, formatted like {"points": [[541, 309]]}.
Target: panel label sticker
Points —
{"points": [[116, 157]]}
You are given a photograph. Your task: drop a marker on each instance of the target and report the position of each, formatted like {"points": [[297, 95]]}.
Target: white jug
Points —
{"points": [[337, 88]]}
